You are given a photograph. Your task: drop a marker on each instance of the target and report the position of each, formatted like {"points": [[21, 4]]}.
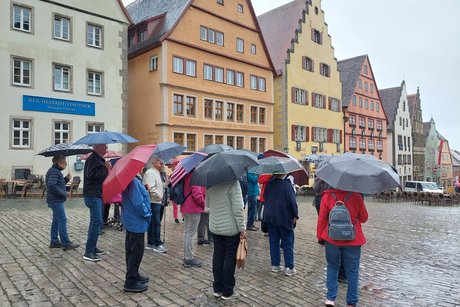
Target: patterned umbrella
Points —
{"points": [[65, 149], [185, 166]]}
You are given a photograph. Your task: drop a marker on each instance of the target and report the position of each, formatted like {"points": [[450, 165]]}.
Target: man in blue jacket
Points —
{"points": [[135, 215], [55, 197]]}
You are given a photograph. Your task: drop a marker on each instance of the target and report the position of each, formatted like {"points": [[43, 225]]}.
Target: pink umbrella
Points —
{"points": [[125, 170]]}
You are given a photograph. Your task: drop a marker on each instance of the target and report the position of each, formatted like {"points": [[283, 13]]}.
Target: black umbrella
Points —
{"points": [[226, 166], [277, 165], [65, 149], [214, 149]]}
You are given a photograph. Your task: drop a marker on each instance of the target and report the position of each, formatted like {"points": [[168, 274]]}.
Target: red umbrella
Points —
{"points": [[300, 177], [125, 170]]}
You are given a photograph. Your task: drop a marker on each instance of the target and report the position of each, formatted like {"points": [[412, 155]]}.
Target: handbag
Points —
{"points": [[241, 253]]}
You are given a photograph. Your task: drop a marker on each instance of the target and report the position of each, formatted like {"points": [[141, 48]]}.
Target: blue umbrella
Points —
{"points": [[106, 137], [167, 150]]}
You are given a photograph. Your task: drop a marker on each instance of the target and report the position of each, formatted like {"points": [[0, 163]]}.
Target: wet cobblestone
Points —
{"points": [[411, 259]]}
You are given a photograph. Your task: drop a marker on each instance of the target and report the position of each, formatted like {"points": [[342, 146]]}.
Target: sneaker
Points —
{"points": [[99, 252], [231, 297], [149, 246], [56, 245], [70, 246], [217, 294], [159, 249], [193, 263], [329, 303], [176, 221], [137, 287], [143, 279], [92, 257], [251, 228], [204, 242], [276, 269], [290, 272], [342, 280]]}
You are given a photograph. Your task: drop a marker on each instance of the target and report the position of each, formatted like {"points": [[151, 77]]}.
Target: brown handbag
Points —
{"points": [[242, 253]]}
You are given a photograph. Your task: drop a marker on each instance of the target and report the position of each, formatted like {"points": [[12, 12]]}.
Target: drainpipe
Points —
{"points": [[345, 120]]}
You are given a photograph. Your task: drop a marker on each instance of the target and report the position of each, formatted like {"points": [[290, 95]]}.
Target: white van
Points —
{"points": [[421, 186]]}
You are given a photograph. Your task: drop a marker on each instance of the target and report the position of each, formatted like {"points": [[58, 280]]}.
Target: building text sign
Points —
{"points": [[55, 105]]}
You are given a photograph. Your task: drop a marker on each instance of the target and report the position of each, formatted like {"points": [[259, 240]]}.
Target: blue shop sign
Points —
{"points": [[55, 105]]}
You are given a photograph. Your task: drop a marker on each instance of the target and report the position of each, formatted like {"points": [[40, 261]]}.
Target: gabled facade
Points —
{"points": [[455, 165], [63, 75], [366, 120], [418, 137], [199, 74], [399, 130], [308, 107]]}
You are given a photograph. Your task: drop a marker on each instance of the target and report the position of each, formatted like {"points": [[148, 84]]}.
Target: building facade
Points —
{"points": [[366, 120], [455, 165], [63, 75], [199, 74], [418, 137], [308, 106]]}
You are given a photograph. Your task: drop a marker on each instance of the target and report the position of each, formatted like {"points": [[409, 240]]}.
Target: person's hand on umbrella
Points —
{"points": [[108, 165]]}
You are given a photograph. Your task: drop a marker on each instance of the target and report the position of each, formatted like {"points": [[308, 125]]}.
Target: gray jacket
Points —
{"points": [[226, 212]]}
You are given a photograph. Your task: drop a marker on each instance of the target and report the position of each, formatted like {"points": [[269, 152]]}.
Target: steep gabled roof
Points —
{"points": [[349, 70], [390, 100], [278, 27], [440, 136], [455, 157], [411, 102]]}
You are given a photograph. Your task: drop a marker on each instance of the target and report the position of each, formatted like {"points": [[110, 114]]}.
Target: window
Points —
{"points": [[377, 106], [400, 121], [94, 83], [142, 35], [324, 70], [94, 127], [362, 144], [379, 125], [239, 79], [61, 76], [131, 40], [207, 72], [262, 84], [230, 112], [190, 104], [253, 82], [153, 63], [370, 145], [352, 142], [219, 38], [179, 138], [262, 143], [239, 45], [22, 70], [258, 83], [360, 102], [365, 69], [253, 49], [94, 36], [335, 104], [299, 96], [208, 108], [253, 115], [366, 86], [336, 136], [208, 139], [316, 36], [231, 141], [203, 33], [22, 18], [178, 104], [308, 64], [230, 77], [21, 130], [360, 84], [240, 113], [319, 134], [191, 142], [352, 120], [379, 145], [240, 8], [366, 102], [318, 101], [370, 123], [254, 144], [300, 133], [219, 139], [354, 100], [371, 86], [372, 105], [219, 74], [262, 116], [61, 132], [61, 27], [190, 68], [221, 2], [219, 110], [178, 65], [362, 122], [211, 36], [239, 142]]}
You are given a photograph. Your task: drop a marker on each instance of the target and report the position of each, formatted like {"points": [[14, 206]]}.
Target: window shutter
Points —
{"points": [[321, 38], [330, 103], [340, 136], [313, 103], [312, 66], [339, 107], [304, 59], [312, 134], [329, 135], [292, 133], [306, 97], [292, 94], [307, 134], [324, 101], [312, 34]]}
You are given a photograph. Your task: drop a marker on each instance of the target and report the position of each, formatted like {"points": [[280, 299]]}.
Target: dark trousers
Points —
{"points": [[134, 251], [154, 231], [224, 263]]}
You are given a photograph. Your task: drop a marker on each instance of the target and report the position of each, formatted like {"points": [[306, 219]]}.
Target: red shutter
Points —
{"points": [[292, 133], [306, 97], [324, 100], [329, 135], [330, 103], [340, 136], [307, 134], [312, 134], [304, 59], [292, 94]]}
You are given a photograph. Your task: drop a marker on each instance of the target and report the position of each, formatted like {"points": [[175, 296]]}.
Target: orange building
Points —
{"points": [[199, 73], [366, 124]]}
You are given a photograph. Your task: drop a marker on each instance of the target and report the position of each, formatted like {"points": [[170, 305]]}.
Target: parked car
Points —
{"points": [[422, 186]]}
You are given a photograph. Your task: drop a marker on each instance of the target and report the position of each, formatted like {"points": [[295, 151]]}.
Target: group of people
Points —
{"points": [[270, 198]]}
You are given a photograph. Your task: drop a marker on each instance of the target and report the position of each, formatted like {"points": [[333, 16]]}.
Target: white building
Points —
{"points": [[63, 74], [399, 130]]}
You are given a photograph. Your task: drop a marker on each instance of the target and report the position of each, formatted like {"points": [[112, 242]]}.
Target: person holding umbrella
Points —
{"points": [[55, 197]]}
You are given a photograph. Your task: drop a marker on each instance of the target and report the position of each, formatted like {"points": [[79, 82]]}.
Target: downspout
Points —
{"points": [[284, 107]]}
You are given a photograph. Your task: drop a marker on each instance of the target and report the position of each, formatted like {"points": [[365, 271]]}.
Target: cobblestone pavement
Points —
{"points": [[411, 259]]}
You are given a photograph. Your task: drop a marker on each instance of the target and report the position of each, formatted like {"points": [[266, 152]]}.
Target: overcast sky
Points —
{"points": [[414, 40]]}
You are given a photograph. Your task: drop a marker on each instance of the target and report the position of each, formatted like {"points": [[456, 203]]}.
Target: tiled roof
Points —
{"points": [[278, 27], [349, 72], [390, 101], [455, 157], [411, 102]]}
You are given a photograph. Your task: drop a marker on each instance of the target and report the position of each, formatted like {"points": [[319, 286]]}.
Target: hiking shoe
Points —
{"points": [[56, 245], [176, 221], [159, 249], [329, 303], [276, 269], [235, 295], [193, 263], [99, 252], [290, 272], [204, 242], [70, 246], [143, 279], [251, 228], [217, 294], [92, 257], [137, 287]]}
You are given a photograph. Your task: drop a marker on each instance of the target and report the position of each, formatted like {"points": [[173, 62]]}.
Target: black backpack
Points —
{"points": [[340, 226], [176, 193]]}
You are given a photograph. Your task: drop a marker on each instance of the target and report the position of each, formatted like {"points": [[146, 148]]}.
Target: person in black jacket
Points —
{"points": [[96, 170], [55, 197]]}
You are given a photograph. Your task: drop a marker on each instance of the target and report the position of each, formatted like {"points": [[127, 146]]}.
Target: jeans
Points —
{"points": [[134, 251], [190, 231], [259, 210], [224, 263], [203, 226], [351, 256], [252, 210], [95, 212], [59, 224], [286, 236], [154, 232]]}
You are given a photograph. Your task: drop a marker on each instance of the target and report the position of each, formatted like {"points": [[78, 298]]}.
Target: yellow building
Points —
{"points": [[308, 110], [199, 73]]}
